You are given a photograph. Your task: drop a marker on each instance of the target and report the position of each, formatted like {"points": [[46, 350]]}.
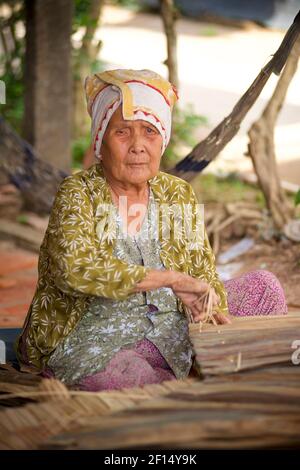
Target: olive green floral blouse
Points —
{"points": [[109, 325], [78, 263]]}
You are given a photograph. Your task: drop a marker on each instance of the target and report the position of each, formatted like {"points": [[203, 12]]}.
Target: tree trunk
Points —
{"points": [[169, 17], [261, 146], [87, 55], [47, 117]]}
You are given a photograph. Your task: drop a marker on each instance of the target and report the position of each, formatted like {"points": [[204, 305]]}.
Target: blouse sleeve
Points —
{"points": [[78, 263], [203, 263]]}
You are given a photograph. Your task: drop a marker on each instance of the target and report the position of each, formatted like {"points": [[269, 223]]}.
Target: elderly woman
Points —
{"points": [[115, 280]]}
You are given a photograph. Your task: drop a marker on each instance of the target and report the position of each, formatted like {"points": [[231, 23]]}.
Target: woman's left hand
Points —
{"points": [[191, 301]]}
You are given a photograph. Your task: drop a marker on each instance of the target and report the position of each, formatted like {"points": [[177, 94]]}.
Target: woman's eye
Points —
{"points": [[150, 130]]}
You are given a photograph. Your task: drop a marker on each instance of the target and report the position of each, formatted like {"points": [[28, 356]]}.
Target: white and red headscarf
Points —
{"points": [[144, 94]]}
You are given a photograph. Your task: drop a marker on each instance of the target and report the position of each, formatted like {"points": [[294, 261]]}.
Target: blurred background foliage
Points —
{"points": [[12, 62], [185, 120]]}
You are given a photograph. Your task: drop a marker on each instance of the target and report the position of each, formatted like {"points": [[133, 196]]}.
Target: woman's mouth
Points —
{"points": [[137, 164]]}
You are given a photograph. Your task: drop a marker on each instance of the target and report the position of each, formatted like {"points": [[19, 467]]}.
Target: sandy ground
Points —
{"points": [[216, 65]]}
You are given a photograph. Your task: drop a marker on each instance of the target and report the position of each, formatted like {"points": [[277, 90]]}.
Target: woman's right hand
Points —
{"points": [[191, 292]]}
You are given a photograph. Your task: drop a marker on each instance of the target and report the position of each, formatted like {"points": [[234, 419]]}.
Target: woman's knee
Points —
{"points": [[256, 292], [265, 277], [274, 297]]}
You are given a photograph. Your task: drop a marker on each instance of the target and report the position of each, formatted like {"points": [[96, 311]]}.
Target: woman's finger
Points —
{"points": [[198, 313], [187, 297], [221, 319], [215, 298]]}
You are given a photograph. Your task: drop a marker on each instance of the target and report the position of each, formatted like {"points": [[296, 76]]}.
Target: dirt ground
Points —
{"points": [[18, 275]]}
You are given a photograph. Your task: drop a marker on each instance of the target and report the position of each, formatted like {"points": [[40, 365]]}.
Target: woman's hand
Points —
{"points": [[196, 308], [192, 292], [187, 288], [221, 319]]}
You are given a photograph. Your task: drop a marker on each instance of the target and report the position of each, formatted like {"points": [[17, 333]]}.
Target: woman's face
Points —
{"points": [[131, 150]]}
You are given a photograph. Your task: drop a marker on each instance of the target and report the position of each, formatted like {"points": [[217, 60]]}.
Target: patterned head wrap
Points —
{"points": [[144, 94]]}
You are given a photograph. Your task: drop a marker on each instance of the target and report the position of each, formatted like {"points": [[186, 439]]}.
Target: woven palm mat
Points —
{"points": [[247, 408]]}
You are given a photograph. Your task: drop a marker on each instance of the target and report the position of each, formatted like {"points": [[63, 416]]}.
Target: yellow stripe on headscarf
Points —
{"points": [[127, 104]]}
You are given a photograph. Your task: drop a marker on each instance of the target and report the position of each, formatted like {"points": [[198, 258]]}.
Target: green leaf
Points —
{"points": [[297, 198]]}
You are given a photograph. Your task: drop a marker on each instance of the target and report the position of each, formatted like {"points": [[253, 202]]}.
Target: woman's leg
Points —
{"points": [[143, 364], [151, 353], [255, 293]]}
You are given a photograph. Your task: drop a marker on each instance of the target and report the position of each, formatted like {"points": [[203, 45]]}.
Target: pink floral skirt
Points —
{"points": [[254, 293], [141, 365]]}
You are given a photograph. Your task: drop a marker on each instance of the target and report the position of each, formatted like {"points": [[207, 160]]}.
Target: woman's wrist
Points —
{"points": [[172, 277], [168, 278], [156, 279], [164, 278]]}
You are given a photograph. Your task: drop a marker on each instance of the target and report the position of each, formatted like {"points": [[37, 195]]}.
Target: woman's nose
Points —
{"points": [[137, 144]]}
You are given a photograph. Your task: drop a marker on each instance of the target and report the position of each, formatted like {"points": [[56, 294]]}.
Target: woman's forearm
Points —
{"points": [[156, 279]]}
